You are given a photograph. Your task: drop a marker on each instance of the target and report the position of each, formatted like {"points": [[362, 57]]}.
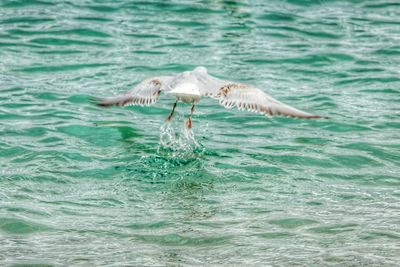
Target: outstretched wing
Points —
{"points": [[231, 94], [143, 94], [253, 99]]}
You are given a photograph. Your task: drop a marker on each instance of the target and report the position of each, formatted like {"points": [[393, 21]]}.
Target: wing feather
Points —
{"points": [[249, 98], [145, 93]]}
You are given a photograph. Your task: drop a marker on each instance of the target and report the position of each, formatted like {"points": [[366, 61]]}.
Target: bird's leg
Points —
{"points": [[172, 112], [189, 121]]}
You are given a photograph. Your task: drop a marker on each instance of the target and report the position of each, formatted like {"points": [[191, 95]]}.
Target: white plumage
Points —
{"points": [[191, 86]]}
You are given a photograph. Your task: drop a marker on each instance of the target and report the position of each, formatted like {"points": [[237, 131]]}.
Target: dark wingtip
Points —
{"points": [[102, 104], [98, 102], [317, 117], [322, 117]]}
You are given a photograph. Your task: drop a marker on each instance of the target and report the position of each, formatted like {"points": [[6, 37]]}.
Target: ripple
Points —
{"points": [[21, 227], [334, 229], [188, 23], [309, 59], [274, 235], [25, 211], [375, 150], [312, 140], [93, 135], [292, 222], [368, 80], [276, 16], [26, 20], [382, 5], [30, 263], [354, 161], [61, 68], [304, 161], [154, 225], [366, 179], [103, 8], [389, 51], [154, 52], [76, 31], [24, 3], [308, 33], [67, 42], [180, 240], [378, 235], [346, 127]]}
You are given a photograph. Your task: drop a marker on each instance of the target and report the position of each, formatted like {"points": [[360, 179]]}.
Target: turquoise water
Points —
{"points": [[86, 186]]}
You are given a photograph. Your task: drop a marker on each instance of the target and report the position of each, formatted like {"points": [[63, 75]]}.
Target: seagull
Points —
{"points": [[191, 86]]}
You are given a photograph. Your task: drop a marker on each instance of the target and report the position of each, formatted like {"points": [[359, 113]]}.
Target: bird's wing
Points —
{"points": [[231, 94], [210, 86], [143, 94]]}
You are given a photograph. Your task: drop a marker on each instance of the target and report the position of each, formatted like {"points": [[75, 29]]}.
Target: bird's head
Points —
{"points": [[201, 70]]}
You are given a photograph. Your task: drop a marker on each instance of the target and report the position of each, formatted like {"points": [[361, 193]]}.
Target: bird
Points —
{"points": [[192, 86]]}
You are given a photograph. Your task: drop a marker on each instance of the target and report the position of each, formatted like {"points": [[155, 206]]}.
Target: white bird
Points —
{"points": [[191, 86]]}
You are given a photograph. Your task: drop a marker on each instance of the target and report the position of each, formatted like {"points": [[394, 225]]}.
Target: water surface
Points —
{"points": [[85, 186]]}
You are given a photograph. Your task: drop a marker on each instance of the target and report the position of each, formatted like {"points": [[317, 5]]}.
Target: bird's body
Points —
{"points": [[186, 92], [191, 86]]}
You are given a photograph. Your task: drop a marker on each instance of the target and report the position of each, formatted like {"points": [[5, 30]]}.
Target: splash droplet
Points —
{"points": [[178, 142]]}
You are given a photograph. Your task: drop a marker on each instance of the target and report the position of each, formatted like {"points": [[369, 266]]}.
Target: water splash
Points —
{"points": [[178, 142]]}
